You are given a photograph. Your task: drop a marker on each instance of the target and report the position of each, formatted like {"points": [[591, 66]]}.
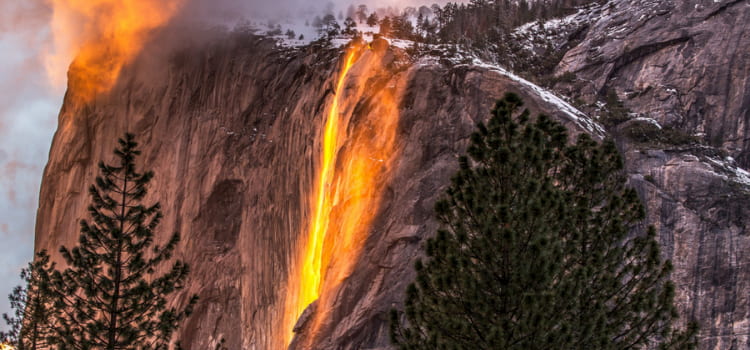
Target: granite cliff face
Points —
{"points": [[683, 67], [233, 130], [683, 63]]}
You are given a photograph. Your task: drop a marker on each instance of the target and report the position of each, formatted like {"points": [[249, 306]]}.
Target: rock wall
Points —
{"points": [[700, 210], [684, 65], [233, 130]]}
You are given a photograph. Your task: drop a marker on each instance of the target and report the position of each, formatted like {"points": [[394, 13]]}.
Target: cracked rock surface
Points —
{"points": [[685, 64]]}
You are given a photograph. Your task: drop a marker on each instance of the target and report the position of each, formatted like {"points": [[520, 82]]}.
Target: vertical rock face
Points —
{"points": [[229, 131], [684, 63], [701, 212], [233, 131], [686, 66]]}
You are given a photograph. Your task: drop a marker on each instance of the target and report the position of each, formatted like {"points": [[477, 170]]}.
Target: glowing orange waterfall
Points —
{"points": [[356, 151], [307, 286], [311, 270]]}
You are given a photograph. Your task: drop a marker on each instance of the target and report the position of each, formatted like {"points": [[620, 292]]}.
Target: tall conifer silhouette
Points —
{"points": [[113, 295], [536, 252]]}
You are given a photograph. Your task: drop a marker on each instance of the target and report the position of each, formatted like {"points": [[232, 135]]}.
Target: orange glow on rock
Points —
{"points": [[356, 153], [312, 269], [307, 288], [6, 346], [100, 37]]}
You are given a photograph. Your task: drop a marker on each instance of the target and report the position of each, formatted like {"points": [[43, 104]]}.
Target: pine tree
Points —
{"points": [[373, 20], [350, 27], [385, 26], [31, 324], [112, 296], [361, 13], [536, 251], [331, 27]]}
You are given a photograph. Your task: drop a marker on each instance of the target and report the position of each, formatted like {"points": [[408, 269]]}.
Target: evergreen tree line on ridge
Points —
{"points": [[454, 22], [483, 27]]}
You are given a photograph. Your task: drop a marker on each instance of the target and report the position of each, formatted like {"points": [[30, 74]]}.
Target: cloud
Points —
{"points": [[232, 10], [21, 16], [28, 109]]}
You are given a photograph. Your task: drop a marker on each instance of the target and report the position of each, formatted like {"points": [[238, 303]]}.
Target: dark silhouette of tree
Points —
{"points": [[330, 26], [536, 250], [31, 325], [385, 26], [350, 27], [361, 13], [488, 29], [373, 20], [402, 27], [113, 294]]}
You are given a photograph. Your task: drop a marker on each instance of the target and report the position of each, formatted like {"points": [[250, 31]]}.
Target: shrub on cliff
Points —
{"points": [[536, 251], [112, 295]]}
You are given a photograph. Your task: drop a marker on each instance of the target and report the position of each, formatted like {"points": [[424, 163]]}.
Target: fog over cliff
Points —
{"points": [[229, 12]]}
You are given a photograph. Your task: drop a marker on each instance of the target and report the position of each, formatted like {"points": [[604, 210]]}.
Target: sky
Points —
{"points": [[33, 65], [28, 118]]}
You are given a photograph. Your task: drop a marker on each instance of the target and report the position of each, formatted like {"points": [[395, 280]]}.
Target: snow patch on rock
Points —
{"points": [[729, 170], [651, 121], [578, 117]]}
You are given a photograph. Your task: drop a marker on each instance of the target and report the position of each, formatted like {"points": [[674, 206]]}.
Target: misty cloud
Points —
{"points": [[28, 110], [23, 16], [230, 11]]}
